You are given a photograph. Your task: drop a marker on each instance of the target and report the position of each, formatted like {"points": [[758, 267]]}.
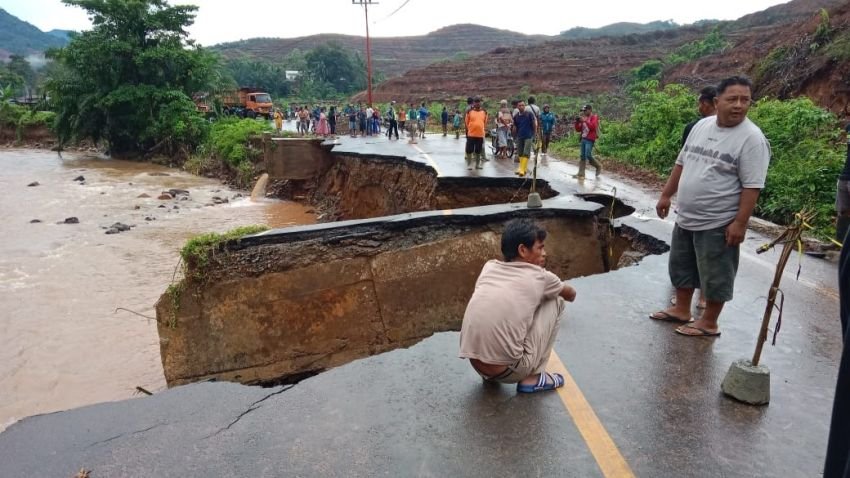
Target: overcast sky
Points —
{"points": [[229, 20]]}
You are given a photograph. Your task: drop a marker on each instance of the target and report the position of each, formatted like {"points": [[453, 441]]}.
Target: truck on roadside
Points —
{"points": [[246, 102]]}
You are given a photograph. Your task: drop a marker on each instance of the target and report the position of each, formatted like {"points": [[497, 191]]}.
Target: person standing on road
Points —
{"points": [[718, 176], [587, 124], [352, 122], [362, 120], [322, 127], [842, 196], [413, 123], [278, 120], [512, 320], [332, 120], [504, 123], [444, 121], [476, 123], [705, 104], [304, 120], [369, 113], [401, 115], [456, 122], [837, 463], [547, 124], [393, 123], [424, 114], [525, 128]]}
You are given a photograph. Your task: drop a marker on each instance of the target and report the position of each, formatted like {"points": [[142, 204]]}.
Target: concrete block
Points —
{"points": [[747, 383]]}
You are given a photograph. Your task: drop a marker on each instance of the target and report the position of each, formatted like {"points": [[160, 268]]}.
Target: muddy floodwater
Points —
{"points": [[62, 342]]}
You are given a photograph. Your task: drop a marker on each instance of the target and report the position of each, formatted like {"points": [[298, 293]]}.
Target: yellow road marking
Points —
{"points": [[429, 159], [604, 450]]}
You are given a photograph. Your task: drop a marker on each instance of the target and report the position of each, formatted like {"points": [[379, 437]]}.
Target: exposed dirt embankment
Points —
{"points": [[359, 188], [36, 136], [786, 61], [355, 187], [300, 303]]}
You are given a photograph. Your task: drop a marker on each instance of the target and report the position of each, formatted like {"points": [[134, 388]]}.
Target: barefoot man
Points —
{"points": [[513, 317], [718, 175]]}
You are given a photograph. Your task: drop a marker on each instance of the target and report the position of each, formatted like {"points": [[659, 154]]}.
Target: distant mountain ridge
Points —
{"points": [[22, 38], [390, 55], [618, 29]]}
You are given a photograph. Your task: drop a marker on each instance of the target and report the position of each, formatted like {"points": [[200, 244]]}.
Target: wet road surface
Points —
{"points": [[424, 412]]}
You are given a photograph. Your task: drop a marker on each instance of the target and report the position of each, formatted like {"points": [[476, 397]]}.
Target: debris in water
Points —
{"points": [[80, 178], [34, 221], [70, 220], [34, 183]]}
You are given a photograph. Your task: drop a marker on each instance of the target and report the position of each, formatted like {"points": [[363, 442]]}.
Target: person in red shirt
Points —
{"points": [[587, 124]]}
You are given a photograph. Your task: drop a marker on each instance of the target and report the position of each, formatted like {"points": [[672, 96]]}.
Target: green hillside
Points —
{"points": [[22, 38]]}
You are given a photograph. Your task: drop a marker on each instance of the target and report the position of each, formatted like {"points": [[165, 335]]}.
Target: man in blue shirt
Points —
{"points": [[444, 120], [525, 128], [423, 120], [547, 122]]}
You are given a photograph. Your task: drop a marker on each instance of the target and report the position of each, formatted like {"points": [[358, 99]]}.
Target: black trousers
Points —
{"points": [[838, 448], [474, 145], [393, 127]]}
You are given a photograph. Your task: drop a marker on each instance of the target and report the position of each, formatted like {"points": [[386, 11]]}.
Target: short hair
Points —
{"points": [[531, 100], [708, 93], [732, 81], [469, 100], [520, 231]]}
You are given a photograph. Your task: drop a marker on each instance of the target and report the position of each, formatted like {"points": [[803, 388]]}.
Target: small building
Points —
{"points": [[292, 75]]}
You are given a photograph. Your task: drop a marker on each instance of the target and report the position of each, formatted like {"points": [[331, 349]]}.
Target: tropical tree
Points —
{"points": [[336, 68], [129, 80]]}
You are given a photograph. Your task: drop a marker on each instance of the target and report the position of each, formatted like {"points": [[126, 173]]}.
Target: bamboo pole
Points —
{"points": [[789, 239]]}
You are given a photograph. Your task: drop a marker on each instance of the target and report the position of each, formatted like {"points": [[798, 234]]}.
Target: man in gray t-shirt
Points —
{"points": [[718, 175]]}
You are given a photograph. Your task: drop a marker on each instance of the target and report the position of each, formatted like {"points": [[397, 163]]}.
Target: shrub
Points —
{"points": [[228, 139], [807, 156]]}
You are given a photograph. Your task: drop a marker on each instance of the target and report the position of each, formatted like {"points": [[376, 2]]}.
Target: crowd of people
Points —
{"points": [[396, 120]]}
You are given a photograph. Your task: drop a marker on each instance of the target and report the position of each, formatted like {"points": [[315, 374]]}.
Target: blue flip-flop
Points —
{"points": [[543, 384]]}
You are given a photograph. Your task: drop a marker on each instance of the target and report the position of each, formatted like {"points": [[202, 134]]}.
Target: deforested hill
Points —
{"points": [[391, 56], [787, 49]]}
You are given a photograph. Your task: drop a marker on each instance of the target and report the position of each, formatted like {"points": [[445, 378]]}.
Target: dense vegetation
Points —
{"points": [[128, 80]]}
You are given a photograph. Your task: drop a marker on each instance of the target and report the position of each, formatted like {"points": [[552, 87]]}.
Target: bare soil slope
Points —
{"points": [[581, 67]]}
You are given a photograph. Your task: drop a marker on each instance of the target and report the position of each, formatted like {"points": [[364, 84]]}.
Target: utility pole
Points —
{"points": [[365, 4]]}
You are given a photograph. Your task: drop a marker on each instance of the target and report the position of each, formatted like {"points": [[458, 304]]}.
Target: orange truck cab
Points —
{"points": [[245, 102], [255, 102]]}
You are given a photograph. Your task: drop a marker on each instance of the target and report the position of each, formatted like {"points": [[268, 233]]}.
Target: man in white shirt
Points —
{"points": [[718, 175]]}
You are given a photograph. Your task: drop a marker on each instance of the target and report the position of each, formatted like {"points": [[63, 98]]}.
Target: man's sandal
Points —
{"points": [[557, 381]]}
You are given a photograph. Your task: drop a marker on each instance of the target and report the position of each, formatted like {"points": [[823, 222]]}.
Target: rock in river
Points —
{"points": [[34, 183], [80, 178], [165, 196], [118, 227], [70, 220]]}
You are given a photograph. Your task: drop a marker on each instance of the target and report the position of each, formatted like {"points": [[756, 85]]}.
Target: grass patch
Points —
{"points": [[198, 250]]}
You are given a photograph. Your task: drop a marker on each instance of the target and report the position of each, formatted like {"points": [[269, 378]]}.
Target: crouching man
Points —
{"points": [[513, 317]]}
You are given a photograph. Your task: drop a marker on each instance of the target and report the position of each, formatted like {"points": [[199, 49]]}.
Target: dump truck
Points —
{"points": [[245, 102]]}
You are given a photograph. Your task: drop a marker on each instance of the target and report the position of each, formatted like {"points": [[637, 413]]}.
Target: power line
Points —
{"points": [[394, 11]]}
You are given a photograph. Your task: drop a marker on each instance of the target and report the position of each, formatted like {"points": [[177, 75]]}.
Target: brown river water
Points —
{"points": [[62, 342]]}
